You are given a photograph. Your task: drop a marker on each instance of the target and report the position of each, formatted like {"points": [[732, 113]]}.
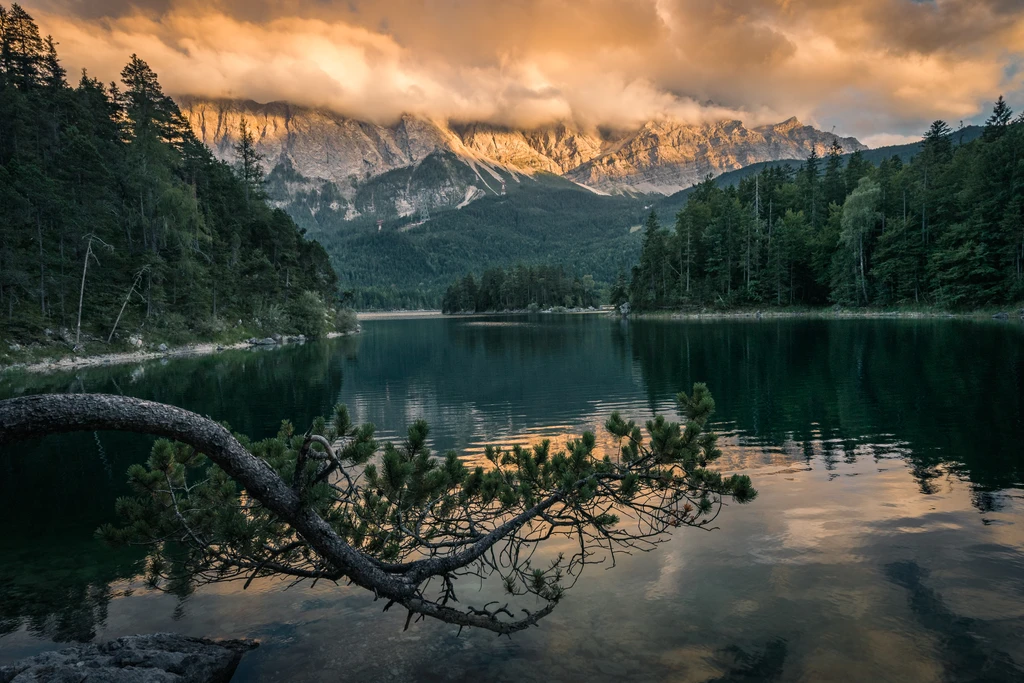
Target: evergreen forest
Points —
{"points": [[945, 230], [520, 288], [117, 221]]}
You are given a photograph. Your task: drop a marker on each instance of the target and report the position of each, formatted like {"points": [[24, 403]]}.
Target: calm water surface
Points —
{"points": [[887, 543]]}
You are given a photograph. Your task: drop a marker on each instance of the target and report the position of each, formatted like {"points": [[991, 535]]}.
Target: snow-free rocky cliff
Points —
{"points": [[416, 164]]}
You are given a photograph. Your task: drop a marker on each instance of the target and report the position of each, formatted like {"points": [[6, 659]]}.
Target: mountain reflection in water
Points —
{"points": [[887, 541]]}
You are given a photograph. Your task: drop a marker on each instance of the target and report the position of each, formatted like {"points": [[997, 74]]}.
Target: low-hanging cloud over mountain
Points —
{"points": [[868, 67]]}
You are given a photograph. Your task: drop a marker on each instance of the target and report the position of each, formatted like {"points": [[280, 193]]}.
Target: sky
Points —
{"points": [[881, 70]]}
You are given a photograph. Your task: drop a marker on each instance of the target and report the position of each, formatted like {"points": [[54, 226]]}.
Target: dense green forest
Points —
{"points": [[520, 288], [410, 261], [945, 230], [114, 214]]}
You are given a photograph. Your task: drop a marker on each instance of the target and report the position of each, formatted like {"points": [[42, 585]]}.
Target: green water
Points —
{"points": [[887, 542]]}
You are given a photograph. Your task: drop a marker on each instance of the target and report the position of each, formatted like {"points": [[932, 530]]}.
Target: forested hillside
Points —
{"points": [[945, 230], [113, 213], [672, 204], [409, 262]]}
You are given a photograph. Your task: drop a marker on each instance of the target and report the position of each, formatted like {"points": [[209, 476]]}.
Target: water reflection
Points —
{"points": [[968, 658], [887, 541]]}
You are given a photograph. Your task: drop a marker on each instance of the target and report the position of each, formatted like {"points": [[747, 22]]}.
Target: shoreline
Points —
{"points": [[413, 315], [848, 314], [398, 315], [71, 362], [128, 357], [746, 314]]}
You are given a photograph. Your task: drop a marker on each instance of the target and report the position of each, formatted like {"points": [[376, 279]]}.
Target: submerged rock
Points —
{"points": [[156, 658], [1001, 316]]}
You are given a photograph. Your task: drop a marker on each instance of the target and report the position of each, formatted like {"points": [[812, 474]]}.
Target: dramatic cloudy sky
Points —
{"points": [[878, 69]]}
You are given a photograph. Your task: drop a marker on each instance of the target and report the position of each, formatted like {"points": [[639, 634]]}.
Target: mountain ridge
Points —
{"points": [[662, 156]]}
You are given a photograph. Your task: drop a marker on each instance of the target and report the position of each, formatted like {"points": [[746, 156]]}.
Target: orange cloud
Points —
{"points": [[865, 66]]}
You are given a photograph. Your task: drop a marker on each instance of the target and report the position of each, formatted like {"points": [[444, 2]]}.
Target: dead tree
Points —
{"points": [[85, 269], [334, 504]]}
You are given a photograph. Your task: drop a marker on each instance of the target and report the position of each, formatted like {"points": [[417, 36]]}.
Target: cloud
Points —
{"points": [[867, 67]]}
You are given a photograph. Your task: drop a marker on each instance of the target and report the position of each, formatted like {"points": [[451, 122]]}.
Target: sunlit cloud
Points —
{"points": [[865, 67]]}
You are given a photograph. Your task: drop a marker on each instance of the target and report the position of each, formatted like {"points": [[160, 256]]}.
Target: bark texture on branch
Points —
{"points": [[417, 520], [32, 416], [44, 414]]}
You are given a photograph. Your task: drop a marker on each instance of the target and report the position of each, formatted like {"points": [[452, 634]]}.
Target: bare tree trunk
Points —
{"points": [[81, 292], [128, 296]]}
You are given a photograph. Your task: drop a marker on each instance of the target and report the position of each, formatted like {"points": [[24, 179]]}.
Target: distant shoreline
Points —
{"points": [[397, 315], [410, 315], [1012, 314], [70, 362], [831, 314]]}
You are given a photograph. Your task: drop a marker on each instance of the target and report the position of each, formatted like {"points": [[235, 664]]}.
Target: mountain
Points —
{"points": [[661, 157], [667, 156], [404, 208]]}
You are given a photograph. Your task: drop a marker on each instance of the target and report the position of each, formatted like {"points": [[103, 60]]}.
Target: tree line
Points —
{"points": [[117, 219], [520, 288], [945, 230]]}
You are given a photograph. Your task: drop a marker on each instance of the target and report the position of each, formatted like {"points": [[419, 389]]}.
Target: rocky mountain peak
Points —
{"points": [[663, 155], [790, 124]]}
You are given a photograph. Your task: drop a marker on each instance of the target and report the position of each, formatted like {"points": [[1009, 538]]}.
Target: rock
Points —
{"points": [[1002, 315], [135, 341], [269, 341], [162, 348], [15, 347], [624, 308], [155, 658], [277, 338], [665, 154], [220, 348]]}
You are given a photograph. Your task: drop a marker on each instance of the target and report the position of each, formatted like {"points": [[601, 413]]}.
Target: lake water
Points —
{"points": [[887, 542]]}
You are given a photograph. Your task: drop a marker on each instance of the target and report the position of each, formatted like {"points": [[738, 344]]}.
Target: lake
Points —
{"points": [[887, 542]]}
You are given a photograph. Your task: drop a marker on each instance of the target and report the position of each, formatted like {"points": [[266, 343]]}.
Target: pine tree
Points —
{"points": [[834, 184], [22, 49], [53, 74], [1001, 114], [811, 186], [249, 162], [938, 145], [96, 164]]}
